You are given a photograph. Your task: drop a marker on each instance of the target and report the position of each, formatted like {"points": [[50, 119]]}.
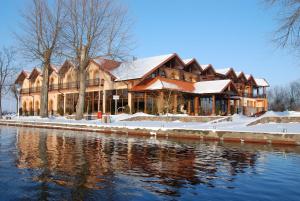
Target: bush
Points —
{"points": [[127, 109]]}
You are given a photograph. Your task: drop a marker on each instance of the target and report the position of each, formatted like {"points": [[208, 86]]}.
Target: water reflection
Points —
{"points": [[92, 165]]}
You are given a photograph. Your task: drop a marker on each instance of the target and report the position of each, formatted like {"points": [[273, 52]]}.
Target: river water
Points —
{"points": [[40, 164]]}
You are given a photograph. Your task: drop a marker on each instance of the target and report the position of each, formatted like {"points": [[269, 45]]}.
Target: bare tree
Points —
{"points": [[40, 39], [94, 27], [7, 71], [288, 33], [14, 92], [293, 91]]}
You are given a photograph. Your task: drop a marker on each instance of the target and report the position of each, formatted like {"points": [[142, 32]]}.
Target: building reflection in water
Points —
{"points": [[89, 162]]}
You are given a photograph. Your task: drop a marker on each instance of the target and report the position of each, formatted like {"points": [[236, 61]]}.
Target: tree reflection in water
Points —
{"points": [[86, 163]]}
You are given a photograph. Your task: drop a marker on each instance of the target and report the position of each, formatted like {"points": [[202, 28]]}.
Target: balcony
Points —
{"points": [[61, 86], [247, 95]]}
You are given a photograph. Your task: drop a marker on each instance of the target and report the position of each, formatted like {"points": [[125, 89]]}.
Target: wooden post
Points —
{"points": [[145, 102], [65, 104], [175, 103], [235, 106], [189, 106], [160, 102], [196, 105], [213, 105], [104, 101], [228, 106], [130, 102]]}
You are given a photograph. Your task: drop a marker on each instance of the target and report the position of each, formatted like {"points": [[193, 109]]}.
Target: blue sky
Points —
{"points": [[235, 33], [225, 33]]}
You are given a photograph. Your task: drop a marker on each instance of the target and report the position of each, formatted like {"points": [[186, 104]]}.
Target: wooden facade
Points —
{"points": [[170, 85]]}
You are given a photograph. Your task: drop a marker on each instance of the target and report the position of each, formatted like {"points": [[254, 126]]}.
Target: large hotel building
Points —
{"points": [[153, 85]]}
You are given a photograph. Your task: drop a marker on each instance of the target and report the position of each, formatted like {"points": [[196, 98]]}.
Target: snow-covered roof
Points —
{"points": [[210, 87], [186, 61], [247, 76], [138, 68], [205, 66], [203, 87], [261, 82], [238, 73], [161, 84], [223, 71]]}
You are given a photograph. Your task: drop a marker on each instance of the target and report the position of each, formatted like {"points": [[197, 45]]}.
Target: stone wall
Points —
{"points": [[265, 120], [174, 118]]}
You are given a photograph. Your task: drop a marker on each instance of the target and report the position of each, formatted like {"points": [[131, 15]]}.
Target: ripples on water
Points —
{"points": [[37, 164]]}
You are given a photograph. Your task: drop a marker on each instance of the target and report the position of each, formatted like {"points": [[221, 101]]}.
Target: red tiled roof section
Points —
{"points": [[166, 83], [106, 64]]}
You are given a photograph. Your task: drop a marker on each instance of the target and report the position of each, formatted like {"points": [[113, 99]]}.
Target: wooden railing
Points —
{"points": [[254, 95], [61, 86]]}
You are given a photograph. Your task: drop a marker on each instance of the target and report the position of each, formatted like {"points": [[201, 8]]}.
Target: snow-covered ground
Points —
{"points": [[238, 123]]}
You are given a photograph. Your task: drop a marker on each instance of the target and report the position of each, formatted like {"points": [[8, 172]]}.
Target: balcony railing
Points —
{"points": [[254, 95], [67, 85]]}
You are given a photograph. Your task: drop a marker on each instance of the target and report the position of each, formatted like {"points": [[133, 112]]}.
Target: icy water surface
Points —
{"points": [[38, 164]]}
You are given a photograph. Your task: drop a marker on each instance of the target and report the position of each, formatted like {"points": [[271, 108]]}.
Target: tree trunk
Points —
{"points": [[0, 106], [82, 84], [44, 88]]}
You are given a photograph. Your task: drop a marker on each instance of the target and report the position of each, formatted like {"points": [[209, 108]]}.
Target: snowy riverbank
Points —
{"points": [[237, 123]]}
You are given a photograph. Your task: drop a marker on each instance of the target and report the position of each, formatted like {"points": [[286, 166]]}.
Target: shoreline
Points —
{"points": [[199, 134]]}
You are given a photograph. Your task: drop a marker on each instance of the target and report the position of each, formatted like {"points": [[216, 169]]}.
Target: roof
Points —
{"points": [[23, 75], [35, 72], [223, 71], [203, 87], [106, 64], [205, 66], [188, 61], [210, 87], [159, 83], [248, 76], [65, 66], [138, 68], [55, 68], [261, 82]]}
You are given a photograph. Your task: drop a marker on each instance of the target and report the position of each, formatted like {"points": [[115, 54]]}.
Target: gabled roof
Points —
{"points": [[22, 76], [141, 67], [261, 82], [241, 75], [205, 67], [203, 87], [65, 67], [226, 71], [159, 83], [250, 78], [223, 71], [35, 72], [212, 87], [106, 65], [190, 61]]}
